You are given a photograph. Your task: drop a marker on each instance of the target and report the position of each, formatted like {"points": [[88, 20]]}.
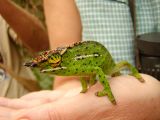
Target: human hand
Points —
{"points": [[135, 101]]}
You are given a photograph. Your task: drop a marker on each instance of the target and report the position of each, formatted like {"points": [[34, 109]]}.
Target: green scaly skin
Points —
{"points": [[83, 59]]}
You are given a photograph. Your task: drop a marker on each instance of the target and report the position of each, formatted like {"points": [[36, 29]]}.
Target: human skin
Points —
{"points": [[63, 22], [135, 101]]}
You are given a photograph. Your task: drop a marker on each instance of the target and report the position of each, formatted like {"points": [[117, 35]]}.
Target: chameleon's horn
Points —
{"points": [[30, 64]]}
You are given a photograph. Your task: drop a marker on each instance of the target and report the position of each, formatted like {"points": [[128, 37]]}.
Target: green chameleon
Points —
{"points": [[83, 59]]}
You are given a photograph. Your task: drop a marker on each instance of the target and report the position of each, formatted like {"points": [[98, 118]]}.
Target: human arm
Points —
{"points": [[29, 29], [63, 22]]}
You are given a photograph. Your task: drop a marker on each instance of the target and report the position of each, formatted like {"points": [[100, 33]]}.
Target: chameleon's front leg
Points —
{"points": [[102, 78], [84, 84], [107, 90], [93, 71]]}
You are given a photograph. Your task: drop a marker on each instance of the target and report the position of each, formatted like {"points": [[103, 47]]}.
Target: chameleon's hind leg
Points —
{"points": [[125, 64], [92, 80], [84, 84], [107, 90]]}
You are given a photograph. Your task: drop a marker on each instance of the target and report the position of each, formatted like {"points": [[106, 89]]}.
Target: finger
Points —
{"points": [[19, 104], [36, 95], [31, 100], [45, 94], [5, 113], [36, 113]]}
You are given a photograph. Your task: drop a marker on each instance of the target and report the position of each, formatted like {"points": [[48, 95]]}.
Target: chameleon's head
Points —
{"points": [[51, 58]]}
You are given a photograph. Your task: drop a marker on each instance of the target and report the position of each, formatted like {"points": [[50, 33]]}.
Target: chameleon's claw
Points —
{"points": [[114, 102], [100, 93], [141, 79], [104, 93], [83, 91]]}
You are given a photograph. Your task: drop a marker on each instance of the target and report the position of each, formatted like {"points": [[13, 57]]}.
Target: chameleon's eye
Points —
{"points": [[54, 59]]}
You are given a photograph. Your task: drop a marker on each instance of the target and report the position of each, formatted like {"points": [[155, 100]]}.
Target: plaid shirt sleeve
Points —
{"points": [[147, 16], [109, 22]]}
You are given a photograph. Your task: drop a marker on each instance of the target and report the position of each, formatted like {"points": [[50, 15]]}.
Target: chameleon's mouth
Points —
{"points": [[30, 64]]}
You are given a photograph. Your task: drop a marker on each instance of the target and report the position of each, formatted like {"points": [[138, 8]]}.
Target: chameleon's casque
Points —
{"points": [[87, 58]]}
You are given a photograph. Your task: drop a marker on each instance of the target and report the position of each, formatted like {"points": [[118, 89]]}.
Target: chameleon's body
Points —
{"points": [[88, 58]]}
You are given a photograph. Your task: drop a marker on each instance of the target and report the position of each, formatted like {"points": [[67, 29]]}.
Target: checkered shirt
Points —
{"points": [[109, 22]]}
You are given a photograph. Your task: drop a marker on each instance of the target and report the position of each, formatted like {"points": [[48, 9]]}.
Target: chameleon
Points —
{"points": [[84, 59]]}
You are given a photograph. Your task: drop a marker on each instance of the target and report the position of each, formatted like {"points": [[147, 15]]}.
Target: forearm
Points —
{"points": [[64, 26], [63, 22], [28, 28]]}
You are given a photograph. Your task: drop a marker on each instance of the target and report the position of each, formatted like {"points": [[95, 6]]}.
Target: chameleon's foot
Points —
{"points": [[83, 91], [101, 93], [105, 93], [139, 77]]}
